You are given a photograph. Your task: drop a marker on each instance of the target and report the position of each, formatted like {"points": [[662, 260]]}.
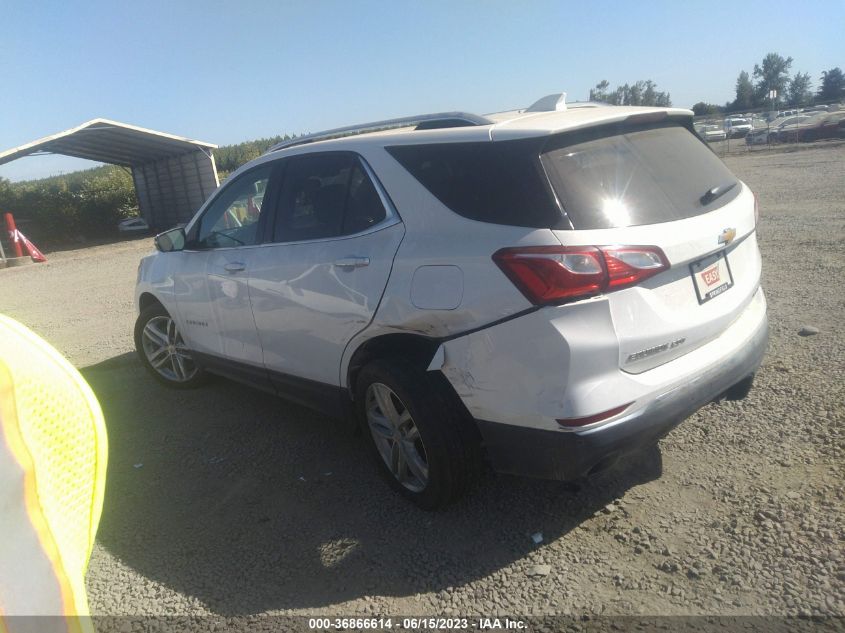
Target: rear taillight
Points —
{"points": [[628, 265], [557, 274]]}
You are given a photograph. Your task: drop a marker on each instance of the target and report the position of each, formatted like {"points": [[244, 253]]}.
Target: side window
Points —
{"points": [[499, 182], [232, 219], [313, 197], [325, 196], [363, 207]]}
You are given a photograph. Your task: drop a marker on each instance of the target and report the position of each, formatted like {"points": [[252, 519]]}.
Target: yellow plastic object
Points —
{"points": [[53, 456]]}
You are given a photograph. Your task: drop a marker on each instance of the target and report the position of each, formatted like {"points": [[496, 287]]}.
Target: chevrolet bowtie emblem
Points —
{"points": [[727, 236]]}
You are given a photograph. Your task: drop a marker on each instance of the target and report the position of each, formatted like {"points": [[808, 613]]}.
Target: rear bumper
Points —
{"points": [[566, 455]]}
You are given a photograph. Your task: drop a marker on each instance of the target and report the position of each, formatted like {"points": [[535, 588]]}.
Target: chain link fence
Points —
{"points": [[766, 128]]}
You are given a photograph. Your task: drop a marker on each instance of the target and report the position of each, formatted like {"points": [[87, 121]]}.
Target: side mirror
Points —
{"points": [[172, 240]]}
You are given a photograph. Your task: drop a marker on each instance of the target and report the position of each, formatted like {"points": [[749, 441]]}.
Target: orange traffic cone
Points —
{"points": [[19, 241], [34, 253], [13, 234]]}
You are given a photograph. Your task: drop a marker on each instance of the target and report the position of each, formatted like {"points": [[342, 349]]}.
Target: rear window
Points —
{"points": [[597, 178], [642, 176]]}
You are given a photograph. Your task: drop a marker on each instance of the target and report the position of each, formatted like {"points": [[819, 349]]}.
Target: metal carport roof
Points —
{"points": [[173, 175]]}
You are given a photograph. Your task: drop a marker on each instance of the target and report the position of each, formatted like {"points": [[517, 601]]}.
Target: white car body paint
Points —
{"points": [[307, 308], [567, 367]]}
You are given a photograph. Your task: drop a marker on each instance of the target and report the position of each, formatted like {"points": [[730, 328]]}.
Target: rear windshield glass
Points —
{"points": [[642, 176], [598, 178]]}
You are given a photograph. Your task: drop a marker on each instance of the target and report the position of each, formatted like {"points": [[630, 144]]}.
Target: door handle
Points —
{"points": [[352, 262], [234, 267]]}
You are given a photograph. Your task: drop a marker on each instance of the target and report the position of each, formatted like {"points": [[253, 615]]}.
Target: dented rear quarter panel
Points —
{"points": [[436, 236], [522, 372]]}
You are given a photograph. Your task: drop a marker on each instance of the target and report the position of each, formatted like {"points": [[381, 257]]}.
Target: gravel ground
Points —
{"points": [[227, 501]]}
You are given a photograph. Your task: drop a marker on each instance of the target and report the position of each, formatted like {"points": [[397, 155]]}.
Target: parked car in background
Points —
{"points": [[133, 225], [833, 126], [818, 108], [757, 136], [735, 127], [794, 131], [764, 135], [711, 133], [819, 126]]}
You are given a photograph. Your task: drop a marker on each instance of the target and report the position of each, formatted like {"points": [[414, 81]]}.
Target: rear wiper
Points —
{"points": [[716, 192]]}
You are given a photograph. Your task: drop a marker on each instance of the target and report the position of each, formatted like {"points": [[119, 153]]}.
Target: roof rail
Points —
{"points": [[422, 122]]}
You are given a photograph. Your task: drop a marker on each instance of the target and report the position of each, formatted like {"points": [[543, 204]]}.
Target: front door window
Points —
{"points": [[232, 219]]}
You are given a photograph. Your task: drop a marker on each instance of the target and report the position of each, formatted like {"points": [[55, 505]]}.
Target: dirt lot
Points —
{"points": [[225, 500]]}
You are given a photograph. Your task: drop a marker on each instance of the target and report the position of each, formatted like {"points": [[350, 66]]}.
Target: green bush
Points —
{"points": [[85, 204]]}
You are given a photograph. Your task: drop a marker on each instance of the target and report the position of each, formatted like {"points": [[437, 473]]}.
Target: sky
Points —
{"points": [[231, 71]]}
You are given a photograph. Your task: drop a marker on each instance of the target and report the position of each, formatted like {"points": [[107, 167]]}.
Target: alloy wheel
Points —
{"points": [[397, 437], [165, 350]]}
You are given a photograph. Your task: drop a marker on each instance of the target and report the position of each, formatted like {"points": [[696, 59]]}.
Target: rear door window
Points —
{"points": [[323, 196], [607, 179], [363, 204], [312, 198]]}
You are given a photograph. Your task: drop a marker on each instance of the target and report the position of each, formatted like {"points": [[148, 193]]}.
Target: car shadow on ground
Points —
{"points": [[249, 503]]}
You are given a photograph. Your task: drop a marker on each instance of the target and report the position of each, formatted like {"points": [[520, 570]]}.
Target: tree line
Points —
{"points": [[640, 93], [229, 157], [773, 73]]}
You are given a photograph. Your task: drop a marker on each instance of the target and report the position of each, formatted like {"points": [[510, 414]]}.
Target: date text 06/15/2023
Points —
{"points": [[416, 624]]}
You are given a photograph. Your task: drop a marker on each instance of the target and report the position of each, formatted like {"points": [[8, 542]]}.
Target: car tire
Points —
{"points": [[421, 437], [163, 351]]}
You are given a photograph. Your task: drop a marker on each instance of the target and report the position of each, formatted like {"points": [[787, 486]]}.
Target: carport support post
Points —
{"points": [[13, 234]]}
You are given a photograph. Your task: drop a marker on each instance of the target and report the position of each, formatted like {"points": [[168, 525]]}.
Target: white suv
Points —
{"points": [[548, 289], [737, 128]]}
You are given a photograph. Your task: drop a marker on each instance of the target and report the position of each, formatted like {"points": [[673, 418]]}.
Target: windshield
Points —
{"points": [[815, 118], [794, 119]]}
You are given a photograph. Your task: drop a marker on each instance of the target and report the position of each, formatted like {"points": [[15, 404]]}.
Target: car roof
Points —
{"points": [[512, 124], [544, 123]]}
